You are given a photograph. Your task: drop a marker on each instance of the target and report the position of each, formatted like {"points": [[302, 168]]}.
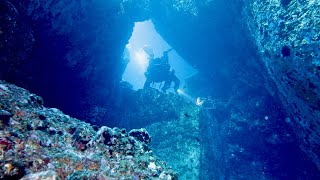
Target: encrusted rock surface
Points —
{"points": [[37, 139], [173, 124], [287, 34], [241, 137]]}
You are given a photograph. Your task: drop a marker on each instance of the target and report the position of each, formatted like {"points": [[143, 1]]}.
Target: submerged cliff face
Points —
{"points": [[287, 34], [68, 50]]}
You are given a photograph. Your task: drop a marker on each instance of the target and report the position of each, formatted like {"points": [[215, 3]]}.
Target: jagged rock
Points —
{"points": [[5, 116], [41, 143], [45, 175], [12, 170], [36, 99], [141, 134]]}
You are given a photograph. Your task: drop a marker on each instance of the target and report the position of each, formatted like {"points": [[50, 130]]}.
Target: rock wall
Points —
{"points": [[287, 34], [69, 52], [249, 137]]}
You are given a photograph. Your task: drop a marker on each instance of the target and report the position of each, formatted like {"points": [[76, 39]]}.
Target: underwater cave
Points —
{"points": [[189, 89], [144, 34]]}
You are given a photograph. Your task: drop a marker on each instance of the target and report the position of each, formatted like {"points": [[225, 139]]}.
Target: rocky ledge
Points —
{"points": [[38, 142]]}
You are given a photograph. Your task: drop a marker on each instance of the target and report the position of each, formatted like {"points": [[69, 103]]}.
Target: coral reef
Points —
{"points": [[36, 142]]}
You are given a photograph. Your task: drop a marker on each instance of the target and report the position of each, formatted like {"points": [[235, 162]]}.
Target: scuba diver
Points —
{"points": [[159, 70], [171, 78]]}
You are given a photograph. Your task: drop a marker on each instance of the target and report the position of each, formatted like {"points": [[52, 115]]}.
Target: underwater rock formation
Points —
{"points": [[60, 49], [173, 124], [36, 142], [75, 48], [288, 39], [83, 41], [226, 137]]}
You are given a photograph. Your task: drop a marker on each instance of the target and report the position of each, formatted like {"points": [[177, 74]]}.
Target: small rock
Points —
{"points": [[288, 120], [3, 87], [108, 137], [123, 131], [72, 130], [44, 175], [14, 170], [36, 99], [38, 125], [42, 117], [55, 110], [95, 127], [152, 166], [141, 135], [60, 133], [5, 116], [52, 131]]}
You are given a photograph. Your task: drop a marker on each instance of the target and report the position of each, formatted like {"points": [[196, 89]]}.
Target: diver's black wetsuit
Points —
{"points": [[159, 71], [171, 78]]}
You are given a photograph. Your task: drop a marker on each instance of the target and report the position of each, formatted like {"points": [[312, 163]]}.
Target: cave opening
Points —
{"points": [[145, 34]]}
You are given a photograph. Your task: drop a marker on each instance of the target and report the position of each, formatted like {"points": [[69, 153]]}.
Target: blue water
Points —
{"points": [[87, 59]]}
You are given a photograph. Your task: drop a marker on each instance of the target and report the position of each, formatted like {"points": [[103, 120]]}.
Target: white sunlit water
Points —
{"points": [[144, 33]]}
